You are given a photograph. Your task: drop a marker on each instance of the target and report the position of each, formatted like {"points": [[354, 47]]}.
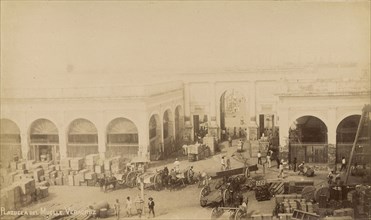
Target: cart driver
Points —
{"points": [[177, 165]]}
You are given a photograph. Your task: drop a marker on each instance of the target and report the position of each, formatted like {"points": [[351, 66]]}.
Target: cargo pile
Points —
{"points": [[27, 181], [197, 152]]}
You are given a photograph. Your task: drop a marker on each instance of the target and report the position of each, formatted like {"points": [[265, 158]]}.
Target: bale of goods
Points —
{"points": [[65, 163], [13, 196], [77, 179], [90, 176], [66, 180], [103, 213], [107, 164], [344, 212], [59, 181], [90, 167], [99, 168], [91, 159], [38, 173], [71, 180], [43, 183], [83, 173], [98, 206], [27, 186], [77, 163], [91, 182]]}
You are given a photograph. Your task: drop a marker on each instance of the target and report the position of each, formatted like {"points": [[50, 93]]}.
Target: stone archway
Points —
{"points": [[82, 138], [122, 138], [345, 135], [308, 140], [44, 141], [233, 114], [10, 142]]}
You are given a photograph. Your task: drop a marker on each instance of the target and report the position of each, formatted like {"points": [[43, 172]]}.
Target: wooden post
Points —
{"points": [[354, 146]]}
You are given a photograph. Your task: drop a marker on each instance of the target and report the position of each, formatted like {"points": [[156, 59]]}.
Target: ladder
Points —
{"points": [[361, 149]]}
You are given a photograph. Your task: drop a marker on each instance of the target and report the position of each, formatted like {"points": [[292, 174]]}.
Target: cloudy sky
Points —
{"points": [[47, 42]]}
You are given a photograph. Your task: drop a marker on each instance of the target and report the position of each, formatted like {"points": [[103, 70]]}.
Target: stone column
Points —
{"points": [[25, 147], [102, 147], [188, 136], [253, 127], [62, 142], [331, 135], [143, 138], [213, 125]]}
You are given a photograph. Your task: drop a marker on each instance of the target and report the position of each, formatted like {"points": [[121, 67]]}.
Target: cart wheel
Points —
{"points": [[216, 213], [227, 198], [131, 179], [157, 182], [240, 215], [247, 172], [203, 193]]}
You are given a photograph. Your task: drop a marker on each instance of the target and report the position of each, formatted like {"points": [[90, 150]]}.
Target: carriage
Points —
{"points": [[226, 187], [127, 177]]}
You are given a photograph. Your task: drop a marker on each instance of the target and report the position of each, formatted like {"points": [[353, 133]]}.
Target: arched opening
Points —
{"points": [[168, 132], [10, 142], [82, 138], [155, 144], [233, 114], [44, 141], [122, 138], [179, 127], [345, 135], [308, 140]]}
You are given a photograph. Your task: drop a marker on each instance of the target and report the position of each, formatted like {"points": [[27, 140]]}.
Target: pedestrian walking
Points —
{"points": [[280, 172], [230, 141], [228, 166], [343, 164], [277, 161], [128, 206], [117, 209], [222, 163], [151, 207], [260, 158]]}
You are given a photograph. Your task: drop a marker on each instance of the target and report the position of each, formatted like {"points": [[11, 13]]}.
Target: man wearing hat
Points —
{"points": [[151, 206]]}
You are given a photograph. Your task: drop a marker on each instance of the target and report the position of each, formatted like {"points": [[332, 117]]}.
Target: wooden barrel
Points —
{"points": [[322, 191], [103, 213], [308, 192]]}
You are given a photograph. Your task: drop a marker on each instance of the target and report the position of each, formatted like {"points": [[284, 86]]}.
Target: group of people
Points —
{"points": [[128, 207]]}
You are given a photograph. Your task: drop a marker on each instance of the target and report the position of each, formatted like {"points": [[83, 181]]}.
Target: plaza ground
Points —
{"points": [[178, 204]]}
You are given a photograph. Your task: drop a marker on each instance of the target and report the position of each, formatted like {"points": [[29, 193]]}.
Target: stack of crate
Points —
{"points": [[91, 160], [11, 197], [344, 212], [77, 163]]}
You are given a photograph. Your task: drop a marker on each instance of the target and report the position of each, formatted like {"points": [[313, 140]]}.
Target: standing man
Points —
{"points": [[177, 165], [343, 164], [222, 163], [280, 172], [269, 159], [260, 158], [117, 209], [151, 207], [230, 141], [128, 206]]}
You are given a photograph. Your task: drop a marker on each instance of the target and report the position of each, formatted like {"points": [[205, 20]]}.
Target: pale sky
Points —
{"points": [[49, 43]]}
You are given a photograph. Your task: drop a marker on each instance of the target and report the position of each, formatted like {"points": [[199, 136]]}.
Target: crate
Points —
{"points": [[77, 163], [99, 169], [92, 159], [90, 176], [27, 186]]}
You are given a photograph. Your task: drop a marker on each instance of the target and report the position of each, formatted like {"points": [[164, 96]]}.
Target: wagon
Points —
{"points": [[226, 191], [234, 213], [151, 180]]}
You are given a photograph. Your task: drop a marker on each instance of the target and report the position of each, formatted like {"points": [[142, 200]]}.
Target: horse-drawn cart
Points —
{"points": [[227, 190]]}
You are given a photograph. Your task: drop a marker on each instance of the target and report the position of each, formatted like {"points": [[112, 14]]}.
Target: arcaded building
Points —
{"points": [[312, 110]]}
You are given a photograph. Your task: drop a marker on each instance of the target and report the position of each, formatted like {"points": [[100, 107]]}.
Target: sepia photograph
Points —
{"points": [[230, 110]]}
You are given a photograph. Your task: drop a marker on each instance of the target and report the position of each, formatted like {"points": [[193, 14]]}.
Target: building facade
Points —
{"points": [[312, 110]]}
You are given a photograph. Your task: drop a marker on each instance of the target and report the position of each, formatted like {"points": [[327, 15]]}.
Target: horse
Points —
{"points": [[107, 182]]}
